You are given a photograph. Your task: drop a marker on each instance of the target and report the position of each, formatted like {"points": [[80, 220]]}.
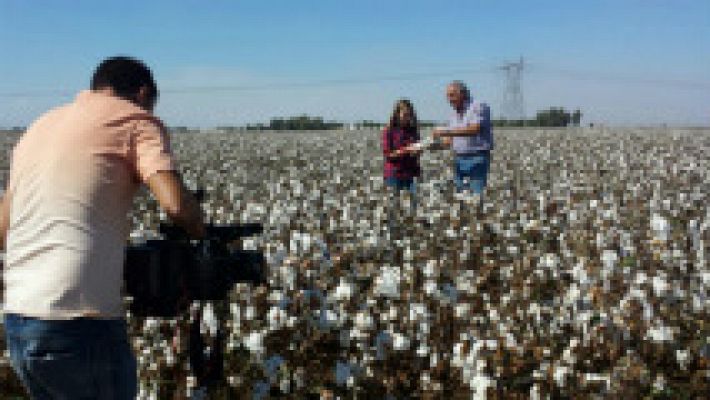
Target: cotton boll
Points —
{"points": [[363, 320], [549, 261], [430, 269], [249, 313], [430, 287], [387, 282], [660, 334], [660, 227], [479, 385], [276, 317], [400, 342], [344, 290], [423, 350], [254, 342], [209, 320]]}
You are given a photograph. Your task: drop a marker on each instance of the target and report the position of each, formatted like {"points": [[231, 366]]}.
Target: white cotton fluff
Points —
{"points": [[209, 320], [387, 282], [560, 374], [400, 342], [549, 260], [276, 317], [254, 342], [660, 286], [423, 350], [344, 291], [609, 259], [660, 227], [430, 287], [249, 313], [479, 385], [430, 270], [660, 334], [363, 320]]}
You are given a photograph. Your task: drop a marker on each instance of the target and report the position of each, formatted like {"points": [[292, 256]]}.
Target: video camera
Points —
{"points": [[164, 276]]}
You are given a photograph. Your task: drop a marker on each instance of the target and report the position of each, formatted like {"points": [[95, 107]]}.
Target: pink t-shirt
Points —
{"points": [[73, 177]]}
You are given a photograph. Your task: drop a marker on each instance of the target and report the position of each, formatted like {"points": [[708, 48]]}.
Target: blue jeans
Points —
{"points": [[402, 184], [72, 359], [471, 171]]}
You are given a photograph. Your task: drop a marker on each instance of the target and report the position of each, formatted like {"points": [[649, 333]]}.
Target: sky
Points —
{"points": [[622, 62]]}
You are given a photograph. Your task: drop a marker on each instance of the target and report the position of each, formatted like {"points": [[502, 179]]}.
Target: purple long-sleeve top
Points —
{"points": [[403, 166]]}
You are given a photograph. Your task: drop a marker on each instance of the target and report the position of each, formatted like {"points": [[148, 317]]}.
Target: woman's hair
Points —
{"points": [[394, 119]]}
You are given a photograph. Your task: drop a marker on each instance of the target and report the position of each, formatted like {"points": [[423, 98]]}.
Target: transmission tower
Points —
{"points": [[513, 96]]}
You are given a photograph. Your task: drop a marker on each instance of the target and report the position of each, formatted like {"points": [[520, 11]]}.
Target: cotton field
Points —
{"points": [[582, 272]]}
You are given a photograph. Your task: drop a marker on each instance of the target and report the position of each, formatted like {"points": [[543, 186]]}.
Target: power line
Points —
{"points": [[513, 82], [613, 78], [274, 85]]}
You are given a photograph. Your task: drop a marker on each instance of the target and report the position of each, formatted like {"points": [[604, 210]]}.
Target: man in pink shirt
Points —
{"points": [[63, 222]]}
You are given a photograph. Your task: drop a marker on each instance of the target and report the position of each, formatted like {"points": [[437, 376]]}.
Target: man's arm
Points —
{"points": [[475, 117], [468, 130], [177, 201], [4, 217]]}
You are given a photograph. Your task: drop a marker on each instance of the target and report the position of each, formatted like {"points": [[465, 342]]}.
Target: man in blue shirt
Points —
{"points": [[472, 138]]}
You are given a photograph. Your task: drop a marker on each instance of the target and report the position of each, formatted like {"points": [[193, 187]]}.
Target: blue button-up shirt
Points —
{"points": [[475, 113]]}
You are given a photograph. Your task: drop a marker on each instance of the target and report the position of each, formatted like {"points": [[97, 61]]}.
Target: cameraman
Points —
{"points": [[63, 219]]}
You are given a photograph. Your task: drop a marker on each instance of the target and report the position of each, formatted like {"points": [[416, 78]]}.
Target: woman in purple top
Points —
{"points": [[401, 157]]}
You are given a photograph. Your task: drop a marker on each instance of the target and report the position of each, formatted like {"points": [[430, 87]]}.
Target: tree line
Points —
{"points": [[552, 117]]}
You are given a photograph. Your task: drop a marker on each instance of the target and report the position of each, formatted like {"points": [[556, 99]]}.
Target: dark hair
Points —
{"points": [[125, 75], [394, 119]]}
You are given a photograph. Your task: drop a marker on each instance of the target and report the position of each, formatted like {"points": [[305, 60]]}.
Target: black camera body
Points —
{"points": [[164, 276]]}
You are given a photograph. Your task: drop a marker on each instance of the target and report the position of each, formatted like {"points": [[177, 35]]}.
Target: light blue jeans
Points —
{"points": [[72, 359], [471, 171]]}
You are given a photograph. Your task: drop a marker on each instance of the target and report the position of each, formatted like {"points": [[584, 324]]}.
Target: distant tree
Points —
{"points": [[554, 117], [301, 122], [576, 117], [179, 129]]}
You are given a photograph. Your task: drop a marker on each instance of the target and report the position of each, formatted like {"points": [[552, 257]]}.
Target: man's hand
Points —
{"points": [[178, 202], [439, 132]]}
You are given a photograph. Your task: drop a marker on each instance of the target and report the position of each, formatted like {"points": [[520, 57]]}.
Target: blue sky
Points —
{"points": [[219, 62]]}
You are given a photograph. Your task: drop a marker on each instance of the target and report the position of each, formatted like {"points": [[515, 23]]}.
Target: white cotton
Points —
{"points": [[254, 342], [660, 334], [462, 310], [479, 385], [430, 270], [249, 313], [660, 227], [400, 342], [387, 282], [430, 287], [609, 259], [549, 260], [276, 317], [363, 320], [344, 291], [209, 319], [660, 286]]}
